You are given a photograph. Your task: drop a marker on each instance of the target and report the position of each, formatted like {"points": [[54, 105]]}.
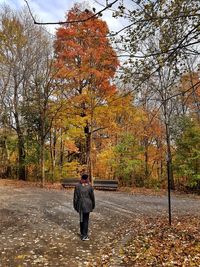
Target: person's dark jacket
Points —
{"points": [[84, 200]]}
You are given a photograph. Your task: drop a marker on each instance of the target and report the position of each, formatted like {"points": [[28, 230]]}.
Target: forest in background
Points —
{"points": [[124, 107]]}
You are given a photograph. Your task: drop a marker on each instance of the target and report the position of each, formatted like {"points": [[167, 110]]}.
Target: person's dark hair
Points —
{"points": [[84, 176]]}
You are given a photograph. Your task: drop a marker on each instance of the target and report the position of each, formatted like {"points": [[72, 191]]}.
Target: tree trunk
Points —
{"points": [[53, 151], [89, 155], [42, 148], [21, 155], [42, 162], [169, 158], [6, 159], [21, 146], [61, 153], [146, 158]]}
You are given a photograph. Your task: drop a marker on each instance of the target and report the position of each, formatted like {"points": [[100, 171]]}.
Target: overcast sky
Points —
{"points": [[54, 10]]}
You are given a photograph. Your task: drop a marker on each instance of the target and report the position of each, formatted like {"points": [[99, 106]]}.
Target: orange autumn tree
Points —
{"points": [[87, 65], [139, 132]]}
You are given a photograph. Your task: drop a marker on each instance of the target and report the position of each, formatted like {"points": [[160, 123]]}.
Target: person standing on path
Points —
{"points": [[84, 203]]}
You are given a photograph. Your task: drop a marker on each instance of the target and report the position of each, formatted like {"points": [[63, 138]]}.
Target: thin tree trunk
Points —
{"points": [[88, 155], [42, 150], [61, 153], [42, 162], [146, 159], [21, 154], [7, 172], [90, 163], [169, 156], [21, 146], [53, 151]]}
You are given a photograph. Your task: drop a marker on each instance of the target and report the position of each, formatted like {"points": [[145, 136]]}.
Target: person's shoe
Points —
{"points": [[85, 238]]}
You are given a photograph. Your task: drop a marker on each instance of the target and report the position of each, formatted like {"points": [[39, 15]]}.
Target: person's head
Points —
{"points": [[84, 176]]}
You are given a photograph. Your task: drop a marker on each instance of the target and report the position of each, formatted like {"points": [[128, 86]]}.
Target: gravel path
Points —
{"points": [[38, 227]]}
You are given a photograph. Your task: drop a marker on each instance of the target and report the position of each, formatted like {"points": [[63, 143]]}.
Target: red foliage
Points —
{"points": [[84, 55]]}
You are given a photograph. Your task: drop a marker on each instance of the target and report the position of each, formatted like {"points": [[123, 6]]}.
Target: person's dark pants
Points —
{"points": [[84, 221]]}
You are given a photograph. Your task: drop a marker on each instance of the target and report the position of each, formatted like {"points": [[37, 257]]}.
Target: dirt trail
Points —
{"points": [[38, 227]]}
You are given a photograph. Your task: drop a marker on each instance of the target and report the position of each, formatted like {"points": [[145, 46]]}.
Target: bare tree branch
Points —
{"points": [[72, 21], [161, 53]]}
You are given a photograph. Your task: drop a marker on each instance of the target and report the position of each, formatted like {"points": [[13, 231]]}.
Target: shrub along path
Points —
{"points": [[38, 227]]}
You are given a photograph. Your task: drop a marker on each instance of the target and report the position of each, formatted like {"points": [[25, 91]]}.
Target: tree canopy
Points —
{"points": [[123, 106]]}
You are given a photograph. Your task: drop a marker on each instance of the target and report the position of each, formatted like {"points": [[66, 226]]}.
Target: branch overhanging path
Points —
{"points": [[109, 5], [174, 51]]}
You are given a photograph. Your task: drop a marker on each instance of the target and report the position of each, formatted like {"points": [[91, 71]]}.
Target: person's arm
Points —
{"points": [[92, 197], [75, 200]]}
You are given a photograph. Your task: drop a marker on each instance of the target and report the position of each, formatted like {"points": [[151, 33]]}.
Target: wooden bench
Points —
{"points": [[106, 184], [98, 184]]}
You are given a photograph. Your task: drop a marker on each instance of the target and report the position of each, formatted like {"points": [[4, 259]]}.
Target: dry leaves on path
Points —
{"points": [[155, 243]]}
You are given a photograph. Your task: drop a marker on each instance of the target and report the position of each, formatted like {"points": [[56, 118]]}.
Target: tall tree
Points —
{"points": [[87, 63], [26, 80], [157, 38], [15, 66]]}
